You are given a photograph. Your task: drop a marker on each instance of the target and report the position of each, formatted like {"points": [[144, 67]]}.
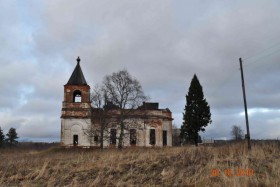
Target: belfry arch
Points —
{"points": [[77, 96]]}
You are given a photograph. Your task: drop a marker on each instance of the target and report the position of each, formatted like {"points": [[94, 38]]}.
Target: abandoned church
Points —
{"points": [[80, 121]]}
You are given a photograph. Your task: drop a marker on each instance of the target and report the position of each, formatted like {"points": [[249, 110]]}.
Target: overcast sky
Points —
{"points": [[161, 43]]}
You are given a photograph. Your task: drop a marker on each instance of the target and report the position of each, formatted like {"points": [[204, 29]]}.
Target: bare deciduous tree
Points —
{"points": [[126, 93], [236, 132], [97, 132]]}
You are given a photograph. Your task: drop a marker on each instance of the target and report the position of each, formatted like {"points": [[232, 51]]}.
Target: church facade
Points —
{"points": [[80, 121]]}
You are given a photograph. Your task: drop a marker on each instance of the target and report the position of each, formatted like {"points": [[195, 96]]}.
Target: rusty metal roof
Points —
{"points": [[77, 77]]}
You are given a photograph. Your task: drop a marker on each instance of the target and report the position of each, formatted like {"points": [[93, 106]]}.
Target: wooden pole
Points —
{"points": [[245, 106]]}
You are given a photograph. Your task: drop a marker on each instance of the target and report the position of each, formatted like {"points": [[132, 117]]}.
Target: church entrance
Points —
{"points": [[75, 140]]}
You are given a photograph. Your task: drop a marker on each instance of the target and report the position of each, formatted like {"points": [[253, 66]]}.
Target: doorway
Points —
{"points": [[75, 140]]}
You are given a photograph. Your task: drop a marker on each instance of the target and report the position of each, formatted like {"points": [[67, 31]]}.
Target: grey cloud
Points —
{"points": [[161, 43]]}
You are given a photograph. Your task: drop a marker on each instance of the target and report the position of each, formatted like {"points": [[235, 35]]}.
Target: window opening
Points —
{"points": [[164, 138], [95, 138], [77, 96], [113, 134], [152, 136], [133, 136]]}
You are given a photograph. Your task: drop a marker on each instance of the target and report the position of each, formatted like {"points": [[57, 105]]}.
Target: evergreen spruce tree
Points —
{"points": [[197, 113], [2, 138], [11, 136]]}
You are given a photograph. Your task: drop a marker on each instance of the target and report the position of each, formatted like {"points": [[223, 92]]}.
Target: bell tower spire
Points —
{"points": [[76, 95], [77, 77], [76, 109]]}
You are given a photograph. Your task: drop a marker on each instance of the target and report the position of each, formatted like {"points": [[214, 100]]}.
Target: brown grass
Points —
{"points": [[177, 166]]}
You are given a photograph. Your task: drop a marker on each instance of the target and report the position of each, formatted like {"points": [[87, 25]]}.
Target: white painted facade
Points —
{"points": [[71, 127]]}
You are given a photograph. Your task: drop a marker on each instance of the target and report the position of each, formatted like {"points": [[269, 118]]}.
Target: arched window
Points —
{"points": [[77, 96]]}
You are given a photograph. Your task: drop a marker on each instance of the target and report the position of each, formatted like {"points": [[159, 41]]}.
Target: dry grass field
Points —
{"points": [[225, 165]]}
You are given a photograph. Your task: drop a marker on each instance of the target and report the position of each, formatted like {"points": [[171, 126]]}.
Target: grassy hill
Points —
{"points": [[224, 165]]}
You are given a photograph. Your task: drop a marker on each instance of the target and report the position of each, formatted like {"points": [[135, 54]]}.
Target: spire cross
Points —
{"points": [[78, 60]]}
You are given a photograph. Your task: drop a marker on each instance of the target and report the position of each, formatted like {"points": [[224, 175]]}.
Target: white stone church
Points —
{"points": [[152, 126]]}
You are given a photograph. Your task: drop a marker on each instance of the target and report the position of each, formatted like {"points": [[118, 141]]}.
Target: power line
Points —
{"points": [[249, 62], [261, 57], [266, 49]]}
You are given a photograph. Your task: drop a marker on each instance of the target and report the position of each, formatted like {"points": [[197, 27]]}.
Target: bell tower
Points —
{"points": [[76, 109]]}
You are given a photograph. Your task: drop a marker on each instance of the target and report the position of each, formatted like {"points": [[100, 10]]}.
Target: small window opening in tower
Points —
{"points": [[77, 96]]}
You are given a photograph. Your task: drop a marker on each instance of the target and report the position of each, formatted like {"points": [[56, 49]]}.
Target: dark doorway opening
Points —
{"points": [[113, 135], [75, 140], [164, 138], [152, 136], [132, 136]]}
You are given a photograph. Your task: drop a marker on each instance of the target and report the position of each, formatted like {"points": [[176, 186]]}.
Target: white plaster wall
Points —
{"points": [[106, 139], [72, 127], [141, 139], [167, 125], [69, 127]]}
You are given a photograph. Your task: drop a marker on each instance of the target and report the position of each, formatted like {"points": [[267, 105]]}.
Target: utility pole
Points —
{"points": [[245, 106]]}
